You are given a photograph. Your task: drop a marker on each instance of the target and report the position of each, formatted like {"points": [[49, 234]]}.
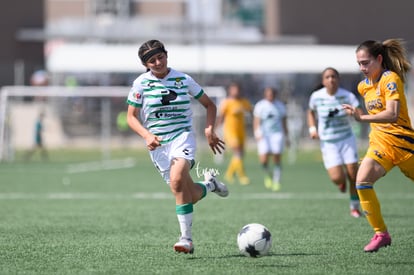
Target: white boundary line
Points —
{"points": [[94, 166]]}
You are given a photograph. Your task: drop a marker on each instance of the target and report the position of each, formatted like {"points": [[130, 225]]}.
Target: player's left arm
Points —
{"points": [[215, 143]]}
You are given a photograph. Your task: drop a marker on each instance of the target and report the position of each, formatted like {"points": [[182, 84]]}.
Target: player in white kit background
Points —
{"points": [[329, 123], [271, 133]]}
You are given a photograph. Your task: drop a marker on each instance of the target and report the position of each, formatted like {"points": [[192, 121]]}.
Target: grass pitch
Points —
{"points": [[76, 215]]}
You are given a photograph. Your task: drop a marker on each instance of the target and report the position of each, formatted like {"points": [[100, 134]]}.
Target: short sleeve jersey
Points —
{"points": [[271, 116], [234, 111], [392, 135], [165, 104], [333, 122]]}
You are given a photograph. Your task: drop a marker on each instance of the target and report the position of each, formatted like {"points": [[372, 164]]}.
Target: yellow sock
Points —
{"points": [[231, 168], [371, 207], [239, 167]]}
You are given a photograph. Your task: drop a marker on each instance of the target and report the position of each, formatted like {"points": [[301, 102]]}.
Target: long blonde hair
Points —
{"points": [[393, 52]]}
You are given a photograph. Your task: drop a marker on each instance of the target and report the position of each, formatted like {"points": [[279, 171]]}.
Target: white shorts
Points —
{"points": [[339, 152], [184, 146], [272, 144]]}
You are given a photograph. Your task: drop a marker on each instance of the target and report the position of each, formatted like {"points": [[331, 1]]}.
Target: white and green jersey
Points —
{"points": [[271, 115], [165, 104], [333, 122]]}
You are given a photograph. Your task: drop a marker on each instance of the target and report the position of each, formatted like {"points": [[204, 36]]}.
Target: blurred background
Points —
{"points": [[74, 60]]}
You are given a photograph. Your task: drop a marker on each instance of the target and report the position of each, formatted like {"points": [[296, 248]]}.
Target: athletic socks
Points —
{"points": [[185, 219], [371, 207], [354, 202], [277, 173]]}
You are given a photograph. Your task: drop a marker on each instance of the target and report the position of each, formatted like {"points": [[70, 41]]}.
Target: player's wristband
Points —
{"points": [[258, 133], [312, 130]]}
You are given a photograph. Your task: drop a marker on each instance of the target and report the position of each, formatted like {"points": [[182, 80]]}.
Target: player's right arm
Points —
{"points": [[313, 130], [151, 140]]}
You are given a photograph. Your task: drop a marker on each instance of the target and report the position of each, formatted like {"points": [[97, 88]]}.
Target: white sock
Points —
{"points": [[354, 204], [186, 223], [276, 173], [209, 186]]}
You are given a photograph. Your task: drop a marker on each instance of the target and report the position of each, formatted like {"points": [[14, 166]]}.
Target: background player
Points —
{"points": [[330, 123], [232, 114], [271, 132]]}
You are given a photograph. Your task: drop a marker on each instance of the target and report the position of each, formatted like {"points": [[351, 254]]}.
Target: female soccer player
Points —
{"points": [[391, 141], [270, 130], [160, 98], [337, 141], [232, 114]]}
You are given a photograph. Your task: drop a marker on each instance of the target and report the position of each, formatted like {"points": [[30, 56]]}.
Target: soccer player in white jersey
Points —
{"points": [[159, 111], [330, 123], [270, 130]]}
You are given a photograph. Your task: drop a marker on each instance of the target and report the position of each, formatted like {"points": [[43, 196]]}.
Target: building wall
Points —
{"points": [[19, 14], [58, 9], [161, 9], [348, 22]]}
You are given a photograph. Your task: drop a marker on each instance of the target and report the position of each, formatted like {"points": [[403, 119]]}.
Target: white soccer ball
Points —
{"points": [[254, 240]]}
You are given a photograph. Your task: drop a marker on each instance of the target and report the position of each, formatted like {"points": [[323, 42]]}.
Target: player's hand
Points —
{"points": [[313, 132], [152, 141], [350, 110], [216, 144]]}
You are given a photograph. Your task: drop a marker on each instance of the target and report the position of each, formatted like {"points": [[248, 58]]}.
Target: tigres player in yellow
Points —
{"points": [[232, 114], [391, 141]]}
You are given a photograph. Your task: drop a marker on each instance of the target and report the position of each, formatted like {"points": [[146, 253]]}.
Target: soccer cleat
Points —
{"points": [[276, 186], [268, 182], [219, 187], [379, 240], [184, 245], [244, 180], [356, 213]]}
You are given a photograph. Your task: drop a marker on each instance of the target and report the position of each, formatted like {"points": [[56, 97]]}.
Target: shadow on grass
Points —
{"points": [[271, 255], [268, 261], [392, 263]]}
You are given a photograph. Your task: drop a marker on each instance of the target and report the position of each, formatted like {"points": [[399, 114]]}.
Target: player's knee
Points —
{"points": [[338, 178]]}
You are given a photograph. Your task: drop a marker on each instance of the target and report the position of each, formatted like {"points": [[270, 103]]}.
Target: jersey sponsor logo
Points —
{"points": [[374, 104], [169, 96], [332, 113], [166, 115], [392, 87], [378, 154]]}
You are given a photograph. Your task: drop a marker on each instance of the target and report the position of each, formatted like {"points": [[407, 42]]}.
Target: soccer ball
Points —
{"points": [[254, 240]]}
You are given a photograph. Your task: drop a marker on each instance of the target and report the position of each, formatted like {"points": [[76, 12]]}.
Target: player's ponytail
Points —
{"points": [[396, 57]]}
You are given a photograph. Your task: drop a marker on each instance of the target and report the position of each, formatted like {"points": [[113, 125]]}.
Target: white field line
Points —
{"points": [[100, 165], [165, 195]]}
